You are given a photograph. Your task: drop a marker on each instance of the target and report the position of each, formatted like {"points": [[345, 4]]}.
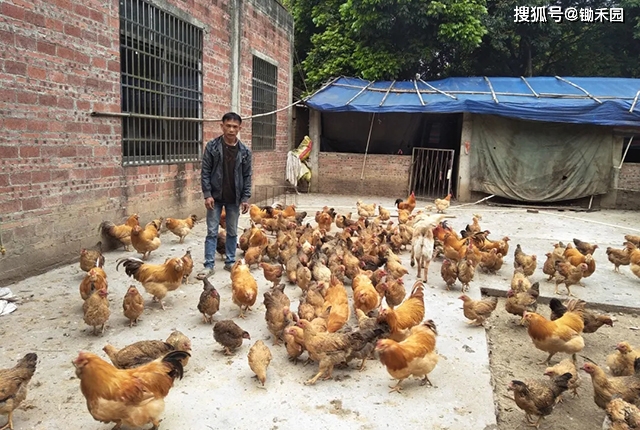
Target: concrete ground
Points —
{"points": [[218, 391]]}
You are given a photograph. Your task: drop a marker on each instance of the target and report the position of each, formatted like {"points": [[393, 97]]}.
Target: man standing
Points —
{"points": [[226, 182]]}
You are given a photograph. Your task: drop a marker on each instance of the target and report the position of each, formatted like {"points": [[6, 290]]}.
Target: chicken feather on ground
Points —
{"points": [[538, 396], [130, 397], [13, 385], [416, 355]]}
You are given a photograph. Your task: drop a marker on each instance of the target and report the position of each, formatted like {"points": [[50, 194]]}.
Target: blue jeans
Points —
{"points": [[213, 223]]}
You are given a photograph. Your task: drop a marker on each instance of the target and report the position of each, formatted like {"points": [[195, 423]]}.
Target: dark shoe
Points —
{"points": [[228, 267], [205, 273]]}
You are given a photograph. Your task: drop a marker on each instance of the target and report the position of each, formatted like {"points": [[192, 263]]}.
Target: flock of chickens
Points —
{"points": [[320, 259]]}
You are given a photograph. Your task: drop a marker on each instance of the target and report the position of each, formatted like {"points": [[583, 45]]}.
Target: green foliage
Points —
{"points": [[395, 39]]}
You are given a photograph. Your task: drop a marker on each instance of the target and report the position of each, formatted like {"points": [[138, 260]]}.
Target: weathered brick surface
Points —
{"points": [[384, 175], [630, 176], [61, 170], [629, 182]]}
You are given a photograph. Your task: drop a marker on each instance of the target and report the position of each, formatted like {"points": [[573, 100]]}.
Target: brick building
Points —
{"points": [[64, 170]]}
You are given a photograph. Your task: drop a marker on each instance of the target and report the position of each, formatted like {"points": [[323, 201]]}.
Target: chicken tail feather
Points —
{"points": [[174, 359]]}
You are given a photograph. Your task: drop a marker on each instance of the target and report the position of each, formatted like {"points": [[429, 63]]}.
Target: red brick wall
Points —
{"points": [[274, 44], [60, 171], [384, 175]]}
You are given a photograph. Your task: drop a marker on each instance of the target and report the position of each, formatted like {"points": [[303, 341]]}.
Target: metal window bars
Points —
{"points": [[161, 75], [264, 99]]}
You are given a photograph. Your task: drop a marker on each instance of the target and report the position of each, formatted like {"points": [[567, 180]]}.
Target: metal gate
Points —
{"points": [[431, 171]]}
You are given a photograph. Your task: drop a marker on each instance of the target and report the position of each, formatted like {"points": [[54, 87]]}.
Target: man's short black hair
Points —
{"points": [[231, 116]]}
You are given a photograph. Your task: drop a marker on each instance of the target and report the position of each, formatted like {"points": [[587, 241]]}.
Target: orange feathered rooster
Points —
{"points": [[409, 205], [130, 397]]}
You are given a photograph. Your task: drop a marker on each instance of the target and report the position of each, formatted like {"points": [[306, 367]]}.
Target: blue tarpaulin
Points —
{"points": [[580, 100]]}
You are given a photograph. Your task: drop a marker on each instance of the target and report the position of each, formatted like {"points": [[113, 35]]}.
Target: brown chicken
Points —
{"points": [[527, 262], [180, 227], [569, 275], [96, 310], [592, 321], [118, 235], [478, 310], [244, 288], [157, 279], [209, 302], [365, 296], [442, 204], [491, 262], [621, 362], [409, 314], [187, 262], [272, 272], [13, 386], [145, 241], [393, 291], [519, 282], [257, 214], [137, 353], [91, 257], [502, 246], [549, 266], [449, 273], [619, 257], [566, 366], [229, 334], [394, 267], [259, 358], [518, 303], [384, 214], [336, 303], [277, 314], [561, 335], [133, 305], [604, 388], [294, 342], [95, 280], [415, 355], [538, 396], [329, 349], [303, 276], [585, 248], [409, 205], [466, 271], [634, 239], [181, 343], [367, 211], [621, 415], [129, 397]]}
